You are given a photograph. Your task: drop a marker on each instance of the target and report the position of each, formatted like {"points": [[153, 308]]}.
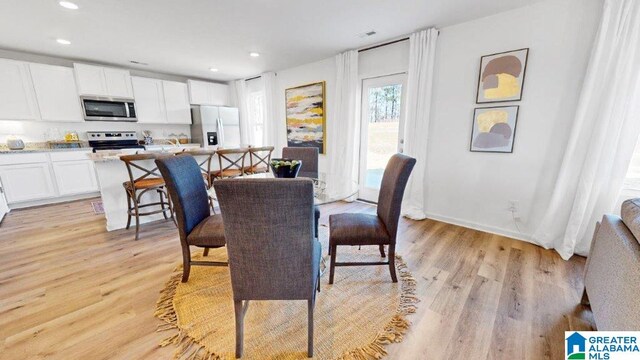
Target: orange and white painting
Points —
{"points": [[306, 116], [502, 76]]}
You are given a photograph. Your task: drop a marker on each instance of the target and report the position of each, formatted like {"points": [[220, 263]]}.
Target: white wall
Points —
{"points": [[473, 189]]}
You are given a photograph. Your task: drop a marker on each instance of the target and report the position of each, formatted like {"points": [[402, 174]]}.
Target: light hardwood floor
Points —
{"points": [[71, 290]]}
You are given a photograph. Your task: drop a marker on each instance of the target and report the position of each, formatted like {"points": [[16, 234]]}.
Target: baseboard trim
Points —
{"points": [[475, 226], [50, 201]]}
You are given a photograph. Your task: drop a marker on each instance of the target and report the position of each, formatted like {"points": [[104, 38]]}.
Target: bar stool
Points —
{"points": [[204, 158], [136, 187], [259, 159], [233, 160]]}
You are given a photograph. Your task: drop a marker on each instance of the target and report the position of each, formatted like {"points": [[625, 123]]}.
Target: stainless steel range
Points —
{"points": [[113, 140]]}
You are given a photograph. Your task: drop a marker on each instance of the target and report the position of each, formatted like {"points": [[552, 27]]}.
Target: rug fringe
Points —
{"points": [[395, 330], [189, 348]]}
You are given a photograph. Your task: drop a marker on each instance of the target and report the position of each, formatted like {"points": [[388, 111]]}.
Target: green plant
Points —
{"points": [[278, 163]]}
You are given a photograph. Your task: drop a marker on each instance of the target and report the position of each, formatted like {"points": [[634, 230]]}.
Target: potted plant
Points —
{"points": [[285, 168]]}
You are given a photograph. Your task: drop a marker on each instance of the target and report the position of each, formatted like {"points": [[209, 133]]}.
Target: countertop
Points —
{"points": [[37, 150]]}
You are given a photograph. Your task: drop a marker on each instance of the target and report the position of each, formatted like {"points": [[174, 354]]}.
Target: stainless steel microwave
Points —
{"points": [[108, 109]]}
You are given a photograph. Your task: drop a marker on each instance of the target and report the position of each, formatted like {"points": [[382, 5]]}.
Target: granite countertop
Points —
{"points": [[4, 150]]}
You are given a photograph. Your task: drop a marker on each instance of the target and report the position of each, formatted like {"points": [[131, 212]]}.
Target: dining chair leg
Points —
{"points": [[137, 215], [332, 266], [206, 252], [129, 208], [310, 306], [237, 305], [392, 262], [186, 263], [382, 250], [162, 204]]}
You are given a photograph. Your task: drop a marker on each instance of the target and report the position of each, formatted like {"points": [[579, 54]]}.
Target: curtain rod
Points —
{"points": [[253, 78], [387, 43]]}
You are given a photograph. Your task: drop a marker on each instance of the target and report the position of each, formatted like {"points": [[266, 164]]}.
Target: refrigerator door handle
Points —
{"points": [[220, 132]]}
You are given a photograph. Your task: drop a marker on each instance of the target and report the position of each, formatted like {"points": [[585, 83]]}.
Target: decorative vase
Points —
{"points": [[285, 168]]}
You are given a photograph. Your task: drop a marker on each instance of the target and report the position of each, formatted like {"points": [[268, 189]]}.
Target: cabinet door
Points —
{"points": [[199, 92], [90, 80], [149, 100], [176, 99], [27, 182], [75, 177], [56, 93], [219, 94], [118, 83], [4, 209], [17, 99]]}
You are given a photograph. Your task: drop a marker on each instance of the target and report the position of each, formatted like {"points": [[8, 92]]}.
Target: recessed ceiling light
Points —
{"points": [[213, 69], [68, 5], [63, 42], [254, 54]]}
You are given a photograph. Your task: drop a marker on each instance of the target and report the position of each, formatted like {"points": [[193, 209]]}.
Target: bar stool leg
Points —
{"points": [[137, 214], [128, 209]]}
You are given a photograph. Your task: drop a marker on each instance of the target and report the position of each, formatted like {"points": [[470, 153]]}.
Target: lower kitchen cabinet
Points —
{"points": [[27, 182], [31, 178], [75, 177]]}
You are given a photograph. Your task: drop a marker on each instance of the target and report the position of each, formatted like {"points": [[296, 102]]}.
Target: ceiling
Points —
{"points": [[187, 37]]}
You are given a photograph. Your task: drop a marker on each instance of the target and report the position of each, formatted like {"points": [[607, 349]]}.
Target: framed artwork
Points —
{"points": [[306, 120], [494, 129], [501, 77]]}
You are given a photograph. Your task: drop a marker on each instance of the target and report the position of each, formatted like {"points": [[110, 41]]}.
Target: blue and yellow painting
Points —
{"points": [[306, 116]]}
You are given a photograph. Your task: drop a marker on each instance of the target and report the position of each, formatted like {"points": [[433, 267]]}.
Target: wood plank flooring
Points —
{"points": [[71, 290]]}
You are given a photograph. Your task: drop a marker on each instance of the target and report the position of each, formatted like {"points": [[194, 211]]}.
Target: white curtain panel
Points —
{"points": [[604, 133], [274, 129], [343, 125], [239, 100], [422, 54]]}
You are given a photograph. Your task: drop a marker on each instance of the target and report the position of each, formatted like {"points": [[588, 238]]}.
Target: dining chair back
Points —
{"points": [[231, 163], [196, 226], [273, 254], [394, 181], [259, 159], [309, 157]]}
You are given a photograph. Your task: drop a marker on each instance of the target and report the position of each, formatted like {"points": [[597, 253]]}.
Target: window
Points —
{"points": [[256, 109]]}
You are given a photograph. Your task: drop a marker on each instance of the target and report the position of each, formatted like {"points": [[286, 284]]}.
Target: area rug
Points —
{"points": [[355, 318], [98, 207]]}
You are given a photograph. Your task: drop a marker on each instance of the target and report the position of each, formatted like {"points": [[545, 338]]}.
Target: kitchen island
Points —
{"points": [[112, 173]]}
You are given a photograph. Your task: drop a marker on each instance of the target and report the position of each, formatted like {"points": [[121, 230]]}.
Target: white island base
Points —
{"points": [[112, 172]]}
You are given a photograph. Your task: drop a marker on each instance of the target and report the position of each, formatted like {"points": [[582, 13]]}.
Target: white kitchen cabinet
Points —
{"points": [[75, 177], [176, 99], [149, 97], [17, 98], [207, 93], [118, 83], [4, 208], [102, 81], [27, 182], [56, 93]]}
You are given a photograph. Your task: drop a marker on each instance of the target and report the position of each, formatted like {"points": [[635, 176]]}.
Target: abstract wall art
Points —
{"points": [[494, 129], [502, 76], [306, 116]]}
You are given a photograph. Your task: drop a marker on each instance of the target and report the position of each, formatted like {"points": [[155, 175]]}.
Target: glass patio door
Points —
{"points": [[381, 130]]}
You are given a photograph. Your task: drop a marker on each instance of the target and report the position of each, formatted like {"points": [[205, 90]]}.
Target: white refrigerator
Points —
{"points": [[215, 126]]}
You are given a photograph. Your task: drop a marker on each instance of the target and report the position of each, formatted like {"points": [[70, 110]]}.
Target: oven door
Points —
{"points": [[108, 109]]}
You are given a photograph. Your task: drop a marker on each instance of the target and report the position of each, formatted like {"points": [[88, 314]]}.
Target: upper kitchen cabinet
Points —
{"points": [[17, 98], [161, 102], [103, 81], [176, 98], [207, 93], [56, 93], [149, 98]]}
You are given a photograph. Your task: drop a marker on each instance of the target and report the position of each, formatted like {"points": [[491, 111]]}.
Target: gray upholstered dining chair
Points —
{"points": [[196, 225], [309, 168], [380, 229], [273, 254]]}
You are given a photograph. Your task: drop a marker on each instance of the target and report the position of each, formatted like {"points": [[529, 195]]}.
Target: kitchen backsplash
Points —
{"points": [[38, 131]]}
